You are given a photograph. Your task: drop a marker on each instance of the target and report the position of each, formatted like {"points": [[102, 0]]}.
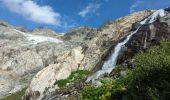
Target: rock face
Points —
{"points": [[148, 35], [44, 80], [80, 35], [46, 32], [106, 37], [20, 59]]}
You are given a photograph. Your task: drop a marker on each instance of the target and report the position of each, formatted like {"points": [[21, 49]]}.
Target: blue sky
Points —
{"points": [[61, 15]]}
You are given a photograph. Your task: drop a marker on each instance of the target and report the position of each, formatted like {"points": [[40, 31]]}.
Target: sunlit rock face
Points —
{"points": [[22, 57], [107, 36], [149, 35], [45, 79]]}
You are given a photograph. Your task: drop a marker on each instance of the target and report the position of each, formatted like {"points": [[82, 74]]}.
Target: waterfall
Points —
{"points": [[109, 65], [145, 42], [153, 17]]}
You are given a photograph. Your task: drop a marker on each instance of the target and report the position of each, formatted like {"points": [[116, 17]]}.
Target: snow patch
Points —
{"points": [[39, 39], [35, 39]]}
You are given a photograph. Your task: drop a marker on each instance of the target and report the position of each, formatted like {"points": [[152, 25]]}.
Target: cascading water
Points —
{"points": [[109, 65], [153, 17]]}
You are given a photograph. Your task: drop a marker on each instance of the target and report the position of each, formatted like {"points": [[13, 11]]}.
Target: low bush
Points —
{"points": [[16, 96], [74, 77], [150, 79], [111, 89]]}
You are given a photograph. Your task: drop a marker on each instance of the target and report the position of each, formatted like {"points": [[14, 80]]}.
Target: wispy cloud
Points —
{"points": [[135, 5], [68, 23], [90, 9], [34, 12]]}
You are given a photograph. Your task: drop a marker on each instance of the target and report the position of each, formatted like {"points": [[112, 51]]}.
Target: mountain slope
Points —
{"points": [[43, 64], [22, 54], [155, 28], [149, 79]]}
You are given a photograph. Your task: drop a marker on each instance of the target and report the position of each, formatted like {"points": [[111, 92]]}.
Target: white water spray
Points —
{"points": [[153, 17], [109, 65]]}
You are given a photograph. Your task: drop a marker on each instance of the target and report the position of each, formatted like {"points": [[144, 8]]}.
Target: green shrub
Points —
{"points": [[91, 92], [150, 79], [110, 89], [74, 77], [16, 96], [119, 87], [120, 20]]}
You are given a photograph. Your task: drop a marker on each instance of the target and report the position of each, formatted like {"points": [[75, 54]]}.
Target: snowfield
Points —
{"points": [[38, 39], [35, 39]]}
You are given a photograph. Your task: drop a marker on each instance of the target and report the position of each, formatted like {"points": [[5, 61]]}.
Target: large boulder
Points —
{"points": [[45, 79]]}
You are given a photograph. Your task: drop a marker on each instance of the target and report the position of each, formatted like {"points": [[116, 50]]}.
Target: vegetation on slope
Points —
{"points": [[16, 96], [105, 91], [149, 80], [74, 77]]}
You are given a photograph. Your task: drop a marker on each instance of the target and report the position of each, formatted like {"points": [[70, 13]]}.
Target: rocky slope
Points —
{"points": [[22, 55], [148, 35], [40, 58]]}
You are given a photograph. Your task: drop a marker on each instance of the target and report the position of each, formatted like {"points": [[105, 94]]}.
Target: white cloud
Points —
{"points": [[91, 8], [135, 5], [34, 12]]}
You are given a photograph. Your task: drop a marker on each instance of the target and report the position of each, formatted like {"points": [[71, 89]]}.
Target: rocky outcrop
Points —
{"points": [[80, 34], [100, 46], [20, 59], [44, 81], [47, 32], [147, 36]]}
